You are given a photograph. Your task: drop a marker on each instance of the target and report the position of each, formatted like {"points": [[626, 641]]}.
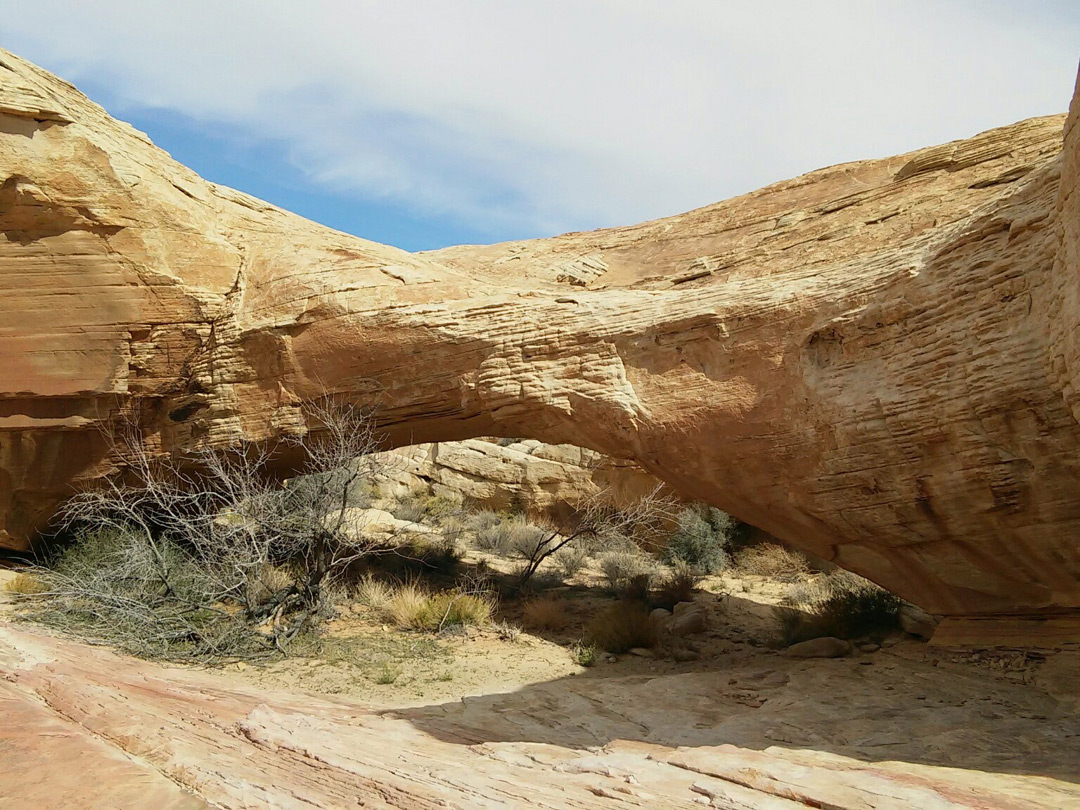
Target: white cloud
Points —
{"points": [[551, 114]]}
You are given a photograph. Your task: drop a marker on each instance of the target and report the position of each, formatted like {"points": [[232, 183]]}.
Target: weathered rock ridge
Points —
{"points": [[878, 362]]}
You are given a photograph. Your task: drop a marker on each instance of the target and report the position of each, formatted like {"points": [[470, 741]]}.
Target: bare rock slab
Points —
{"points": [[827, 647]]}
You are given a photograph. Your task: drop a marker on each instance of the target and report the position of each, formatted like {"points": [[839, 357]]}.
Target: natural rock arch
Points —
{"points": [[876, 361]]}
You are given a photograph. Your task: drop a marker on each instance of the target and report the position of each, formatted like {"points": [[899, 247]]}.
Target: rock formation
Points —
{"points": [[877, 362], [527, 474]]}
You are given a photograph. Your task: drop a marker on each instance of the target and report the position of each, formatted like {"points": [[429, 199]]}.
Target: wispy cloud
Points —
{"points": [[551, 115]]}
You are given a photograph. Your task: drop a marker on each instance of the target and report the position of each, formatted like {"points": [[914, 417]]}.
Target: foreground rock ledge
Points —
{"points": [[877, 362]]}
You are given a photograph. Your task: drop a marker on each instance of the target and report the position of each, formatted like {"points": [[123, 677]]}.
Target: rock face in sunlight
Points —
{"points": [[878, 362], [526, 475]]}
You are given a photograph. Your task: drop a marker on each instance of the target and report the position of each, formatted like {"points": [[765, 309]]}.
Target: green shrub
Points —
{"points": [[849, 607], [584, 655], [702, 540], [570, 560], [497, 538], [410, 508], [627, 571], [622, 627], [677, 586]]}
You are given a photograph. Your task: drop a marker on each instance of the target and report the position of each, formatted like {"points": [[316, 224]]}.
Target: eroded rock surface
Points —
{"points": [[526, 474], [877, 362], [765, 733]]}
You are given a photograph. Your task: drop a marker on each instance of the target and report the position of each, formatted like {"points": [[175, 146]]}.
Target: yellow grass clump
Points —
{"points": [[546, 613], [26, 585]]}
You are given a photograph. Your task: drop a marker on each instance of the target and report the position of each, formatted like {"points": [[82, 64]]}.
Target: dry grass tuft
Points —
{"points": [[772, 561], [373, 593], [623, 626], [546, 613], [454, 609], [507, 631], [412, 606], [405, 604], [25, 584]]}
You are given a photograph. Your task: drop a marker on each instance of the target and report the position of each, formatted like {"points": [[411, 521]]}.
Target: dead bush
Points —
{"points": [[208, 557], [410, 507], [773, 562], [623, 626]]}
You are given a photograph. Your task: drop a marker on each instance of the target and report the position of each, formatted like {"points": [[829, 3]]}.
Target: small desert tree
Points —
{"points": [[209, 556], [595, 519]]}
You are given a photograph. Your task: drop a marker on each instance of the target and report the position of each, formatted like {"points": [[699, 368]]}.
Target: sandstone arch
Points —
{"points": [[877, 361]]}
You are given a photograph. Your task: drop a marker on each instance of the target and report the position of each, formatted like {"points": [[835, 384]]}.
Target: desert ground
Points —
{"points": [[385, 718]]}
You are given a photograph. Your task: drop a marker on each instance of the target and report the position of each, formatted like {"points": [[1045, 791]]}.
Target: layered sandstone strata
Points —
{"points": [[877, 362], [510, 474]]}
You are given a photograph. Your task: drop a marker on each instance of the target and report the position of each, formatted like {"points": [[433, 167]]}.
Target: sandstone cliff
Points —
{"points": [[877, 362]]}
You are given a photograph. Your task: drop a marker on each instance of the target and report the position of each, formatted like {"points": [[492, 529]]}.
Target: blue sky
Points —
{"points": [[423, 123]]}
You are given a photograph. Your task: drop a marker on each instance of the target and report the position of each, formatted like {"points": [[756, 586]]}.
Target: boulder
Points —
{"points": [[917, 622], [688, 623]]}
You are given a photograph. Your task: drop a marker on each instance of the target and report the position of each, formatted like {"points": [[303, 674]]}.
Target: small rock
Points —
{"points": [[611, 659], [684, 656], [827, 647], [892, 641], [917, 622], [641, 652], [660, 615], [869, 647]]}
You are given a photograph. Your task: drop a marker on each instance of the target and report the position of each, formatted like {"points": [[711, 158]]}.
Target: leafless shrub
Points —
{"points": [[594, 518], [207, 556], [772, 561]]}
